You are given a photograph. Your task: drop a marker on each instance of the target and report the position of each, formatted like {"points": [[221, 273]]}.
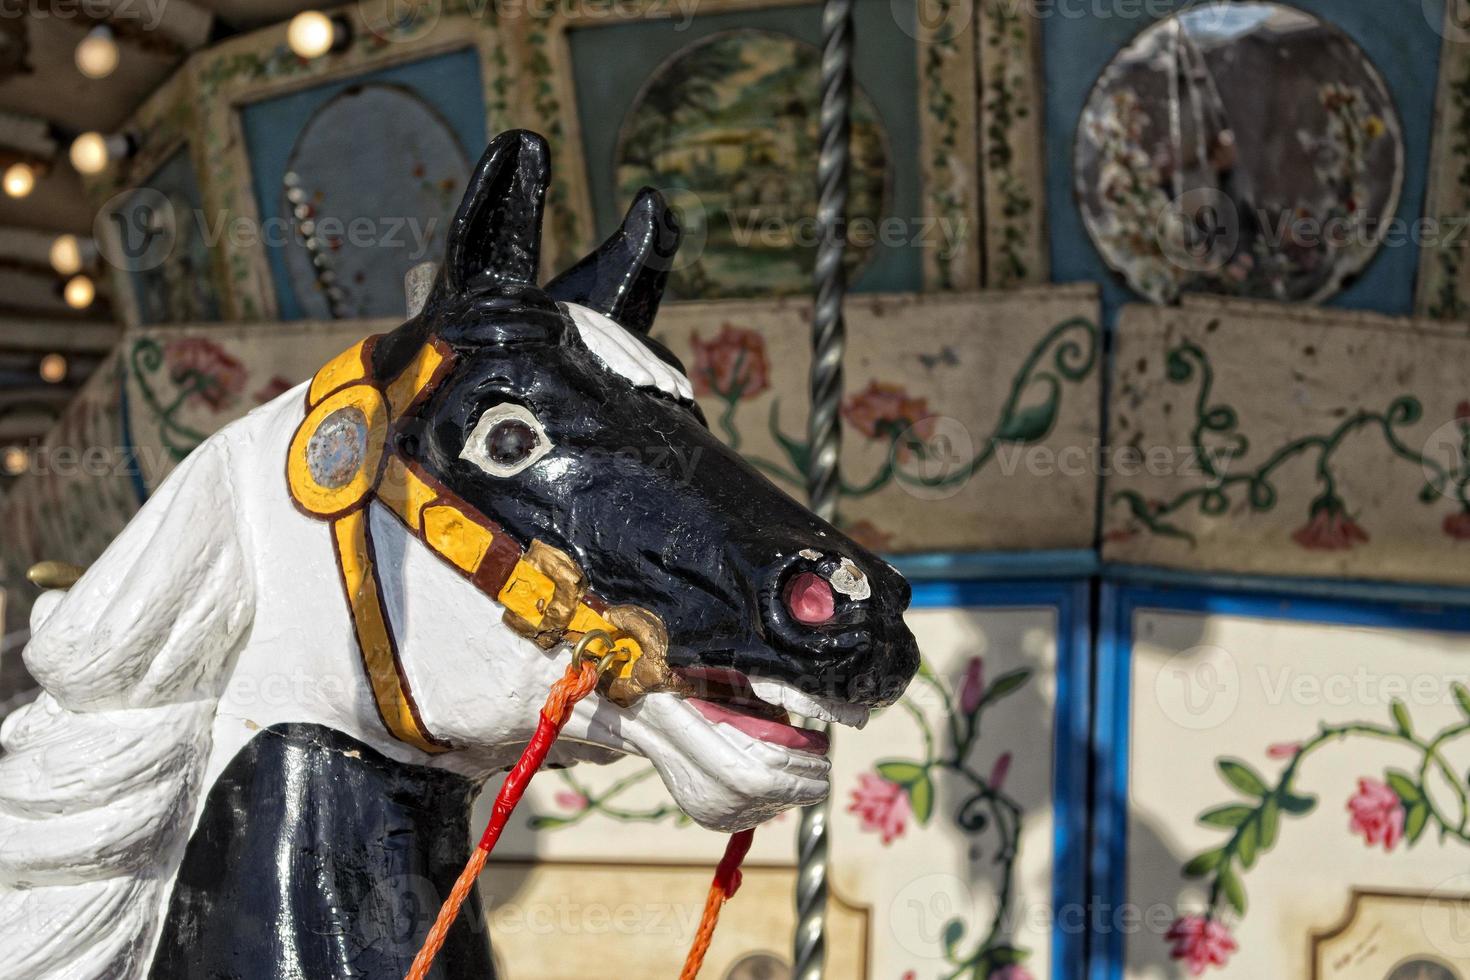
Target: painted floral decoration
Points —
{"points": [[1329, 527], [203, 370], [905, 792], [886, 412], [1200, 942], [1383, 812], [881, 806], [1229, 489], [868, 534], [571, 800], [732, 366], [1377, 814], [973, 688]]}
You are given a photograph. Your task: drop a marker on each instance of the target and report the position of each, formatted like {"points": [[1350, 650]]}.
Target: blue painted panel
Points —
{"points": [[1072, 602], [612, 63], [1117, 606], [450, 83], [1079, 39]]}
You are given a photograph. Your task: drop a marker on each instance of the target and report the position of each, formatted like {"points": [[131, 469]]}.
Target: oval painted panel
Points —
{"points": [[727, 129], [370, 187]]}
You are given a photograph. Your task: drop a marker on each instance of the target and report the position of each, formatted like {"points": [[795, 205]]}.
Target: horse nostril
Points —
{"points": [[809, 599]]}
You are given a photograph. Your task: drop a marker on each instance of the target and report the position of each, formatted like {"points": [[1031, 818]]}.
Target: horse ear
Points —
{"points": [[496, 232], [624, 278]]}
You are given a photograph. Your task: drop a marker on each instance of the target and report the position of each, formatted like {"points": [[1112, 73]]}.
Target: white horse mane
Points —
{"points": [[101, 773]]}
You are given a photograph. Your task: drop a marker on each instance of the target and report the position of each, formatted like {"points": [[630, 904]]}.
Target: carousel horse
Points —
{"points": [[268, 707]]}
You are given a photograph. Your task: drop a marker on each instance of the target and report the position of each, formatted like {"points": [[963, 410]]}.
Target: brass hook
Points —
{"points": [[580, 654]]}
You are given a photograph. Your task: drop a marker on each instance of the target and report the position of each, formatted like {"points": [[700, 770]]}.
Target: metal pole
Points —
{"points": [[824, 425]]}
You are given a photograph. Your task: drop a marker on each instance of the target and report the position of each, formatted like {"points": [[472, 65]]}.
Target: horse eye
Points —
{"points": [[511, 441], [506, 440]]}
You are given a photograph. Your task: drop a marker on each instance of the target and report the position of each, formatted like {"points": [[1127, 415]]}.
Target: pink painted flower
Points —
{"points": [[869, 535], [1329, 528], [999, 771], [204, 367], [1283, 750], [568, 800], [732, 366], [882, 806], [1200, 942], [1457, 526], [1377, 814], [886, 411], [972, 690], [1011, 971]]}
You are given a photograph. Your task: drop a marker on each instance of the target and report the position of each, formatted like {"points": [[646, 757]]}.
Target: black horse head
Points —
{"points": [[565, 423]]}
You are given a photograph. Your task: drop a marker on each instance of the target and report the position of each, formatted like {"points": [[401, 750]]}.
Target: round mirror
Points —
{"points": [[1248, 149]]}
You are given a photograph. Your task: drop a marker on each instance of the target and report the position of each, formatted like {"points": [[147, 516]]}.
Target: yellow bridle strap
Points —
{"points": [[340, 460]]}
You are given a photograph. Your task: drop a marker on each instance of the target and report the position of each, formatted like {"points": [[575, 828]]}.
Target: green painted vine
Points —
{"points": [[1398, 808], [1330, 524]]}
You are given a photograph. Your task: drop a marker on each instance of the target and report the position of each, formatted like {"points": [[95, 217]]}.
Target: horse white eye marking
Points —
{"points": [[850, 581], [506, 440]]}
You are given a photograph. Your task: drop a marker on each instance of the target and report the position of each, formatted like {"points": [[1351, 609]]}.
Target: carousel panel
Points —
{"points": [[956, 836], [81, 487], [1443, 290], [159, 241], [1278, 150], [340, 247], [1283, 788], [1266, 439], [719, 108], [436, 82], [942, 451]]}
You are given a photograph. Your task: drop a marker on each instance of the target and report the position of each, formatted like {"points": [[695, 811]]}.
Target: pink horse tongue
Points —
{"points": [[810, 600], [763, 728]]}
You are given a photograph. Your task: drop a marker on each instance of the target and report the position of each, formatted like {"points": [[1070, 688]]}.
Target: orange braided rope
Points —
{"points": [[574, 685], [578, 682], [727, 880]]}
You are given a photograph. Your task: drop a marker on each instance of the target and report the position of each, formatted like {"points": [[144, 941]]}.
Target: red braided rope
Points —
{"points": [[573, 686], [578, 682]]}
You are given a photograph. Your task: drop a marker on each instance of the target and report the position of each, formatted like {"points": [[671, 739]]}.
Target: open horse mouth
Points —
{"points": [[761, 708]]}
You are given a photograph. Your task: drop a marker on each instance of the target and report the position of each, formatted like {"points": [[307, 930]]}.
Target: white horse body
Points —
{"points": [[217, 613]]}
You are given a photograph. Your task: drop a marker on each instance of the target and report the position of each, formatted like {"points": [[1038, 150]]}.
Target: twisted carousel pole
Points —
{"points": [[824, 424]]}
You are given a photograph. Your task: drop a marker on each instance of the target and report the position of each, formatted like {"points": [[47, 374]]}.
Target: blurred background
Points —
{"points": [[1158, 388]]}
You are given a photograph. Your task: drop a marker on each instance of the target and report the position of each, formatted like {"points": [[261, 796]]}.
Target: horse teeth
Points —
{"points": [[785, 696]]}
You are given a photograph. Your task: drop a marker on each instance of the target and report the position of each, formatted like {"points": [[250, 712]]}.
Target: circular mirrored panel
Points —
{"points": [[1247, 149]]}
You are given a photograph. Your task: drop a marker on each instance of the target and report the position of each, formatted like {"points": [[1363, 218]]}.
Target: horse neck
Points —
{"points": [[316, 855]]}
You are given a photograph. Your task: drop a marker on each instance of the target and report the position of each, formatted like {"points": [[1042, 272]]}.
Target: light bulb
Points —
{"points": [[79, 292], [20, 179], [53, 369], [311, 34], [66, 255], [14, 460], [97, 54], [89, 153]]}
